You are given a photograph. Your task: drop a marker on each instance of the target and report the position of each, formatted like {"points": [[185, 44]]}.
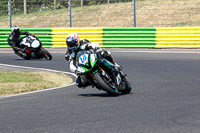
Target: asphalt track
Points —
{"points": [[165, 97]]}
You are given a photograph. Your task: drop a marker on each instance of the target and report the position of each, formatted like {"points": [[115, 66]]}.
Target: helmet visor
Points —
{"points": [[72, 46]]}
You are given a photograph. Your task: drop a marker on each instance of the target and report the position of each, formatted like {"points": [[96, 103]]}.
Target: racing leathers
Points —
{"points": [[70, 56], [14, 40]]}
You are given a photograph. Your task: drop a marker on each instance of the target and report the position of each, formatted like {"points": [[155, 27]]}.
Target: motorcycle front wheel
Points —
{"points": [[128, 86], [105, 86], [44, 53]]}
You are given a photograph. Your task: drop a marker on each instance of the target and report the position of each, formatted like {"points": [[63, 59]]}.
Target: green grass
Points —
{"points": [[149, 13], [14, 82]]}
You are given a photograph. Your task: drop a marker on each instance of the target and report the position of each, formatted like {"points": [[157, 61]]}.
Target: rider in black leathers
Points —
{"points": [[74, 46], [14, 40]]}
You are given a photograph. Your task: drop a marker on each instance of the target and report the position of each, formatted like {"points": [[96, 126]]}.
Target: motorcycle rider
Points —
{"points": [[74, 46], [14, 40]]}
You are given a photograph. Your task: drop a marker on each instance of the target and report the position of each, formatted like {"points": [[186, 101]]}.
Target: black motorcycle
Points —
{"points": [[102, 74], [33, 48]]}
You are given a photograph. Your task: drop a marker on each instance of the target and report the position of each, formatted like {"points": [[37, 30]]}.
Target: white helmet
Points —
{"points": [[15, 29]]}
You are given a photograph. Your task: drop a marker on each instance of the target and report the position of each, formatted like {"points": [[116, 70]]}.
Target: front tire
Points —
{"points": [[128, 86], [104, 85], [45, 54]]}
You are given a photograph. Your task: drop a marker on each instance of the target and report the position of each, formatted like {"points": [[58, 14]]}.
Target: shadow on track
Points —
{"points": [[101, 95], [96, 95], [30, 60]]}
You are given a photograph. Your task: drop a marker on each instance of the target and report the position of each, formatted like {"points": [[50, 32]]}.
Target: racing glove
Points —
{"points": [[105, 53]]}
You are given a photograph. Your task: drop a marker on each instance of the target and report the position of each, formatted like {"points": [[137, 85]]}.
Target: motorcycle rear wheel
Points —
{"points": [[105, 86]]}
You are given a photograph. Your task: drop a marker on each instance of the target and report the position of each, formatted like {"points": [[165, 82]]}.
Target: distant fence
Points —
{"points": [[64, 13], [117, 37], [100, 13]]}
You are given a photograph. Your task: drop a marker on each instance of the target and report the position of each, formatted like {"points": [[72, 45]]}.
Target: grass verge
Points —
{"points": [[15, 82], [149, 13]]}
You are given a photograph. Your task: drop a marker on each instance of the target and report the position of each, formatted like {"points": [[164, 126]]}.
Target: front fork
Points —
{"points": [[104, 68], [108, 78], [102, 72], [116, 77]]}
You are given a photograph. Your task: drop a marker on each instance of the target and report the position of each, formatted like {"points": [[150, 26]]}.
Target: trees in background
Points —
{"points": [[27, 6]]}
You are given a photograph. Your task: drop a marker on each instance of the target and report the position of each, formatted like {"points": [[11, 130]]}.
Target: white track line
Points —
{"points": [[43, 69]]}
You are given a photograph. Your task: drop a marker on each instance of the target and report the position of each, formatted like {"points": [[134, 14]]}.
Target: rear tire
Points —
{"points": [[104, 85]]}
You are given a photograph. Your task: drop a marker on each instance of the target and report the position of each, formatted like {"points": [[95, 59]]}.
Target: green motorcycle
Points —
{"points": [[102, 74]]}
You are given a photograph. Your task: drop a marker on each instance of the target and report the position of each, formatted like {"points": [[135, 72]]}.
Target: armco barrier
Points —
{"points": [[108, 37], [131, 37], [178, 37], [55, 37]]}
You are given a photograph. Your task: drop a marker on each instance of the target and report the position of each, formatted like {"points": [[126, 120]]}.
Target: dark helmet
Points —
{"points": [[72, 41], [15, 29]]}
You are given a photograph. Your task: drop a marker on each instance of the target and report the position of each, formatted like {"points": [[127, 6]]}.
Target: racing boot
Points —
{"points": [[123, 75], [82, 82], [21, 54], [117, 66]]}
